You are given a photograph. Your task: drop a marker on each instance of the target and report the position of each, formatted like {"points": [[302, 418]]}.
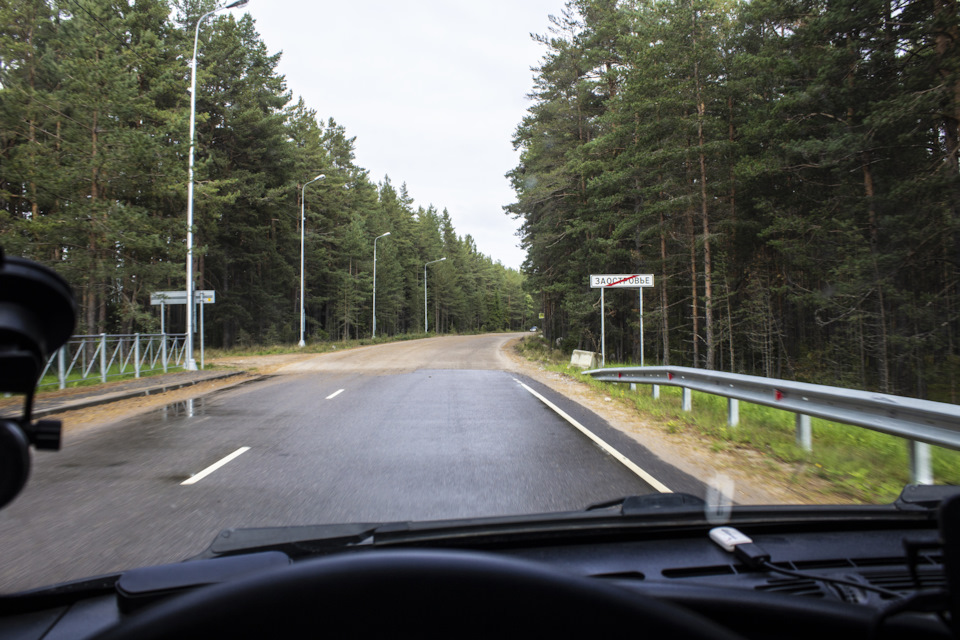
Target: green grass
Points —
{"points": [[537, 349], [113, 374], [852, 462]]}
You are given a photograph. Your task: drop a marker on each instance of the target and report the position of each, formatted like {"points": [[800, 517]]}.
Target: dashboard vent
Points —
{"points": [[818, 565], [621, 575], [847, 593], [793, 586], [900, 580], [698, 572], [892, 579]]}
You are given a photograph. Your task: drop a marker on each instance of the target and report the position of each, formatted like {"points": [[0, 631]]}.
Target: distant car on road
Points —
{"points": [[533, 328]]}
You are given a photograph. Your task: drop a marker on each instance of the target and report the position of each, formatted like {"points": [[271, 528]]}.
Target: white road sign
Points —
{"points": [[204, 296], [621, 281]]}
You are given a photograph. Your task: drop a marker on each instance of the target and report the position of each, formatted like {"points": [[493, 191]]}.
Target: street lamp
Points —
{"points": [[189, 363], [425, 328], [303, 226], [375, 281]]}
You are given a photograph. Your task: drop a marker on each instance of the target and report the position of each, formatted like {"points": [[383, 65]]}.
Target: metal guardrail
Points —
{"points": [[920, 422], [104, 356]]}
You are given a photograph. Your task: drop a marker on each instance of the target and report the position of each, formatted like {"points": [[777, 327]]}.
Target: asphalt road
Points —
{"points": [[426, 429]]}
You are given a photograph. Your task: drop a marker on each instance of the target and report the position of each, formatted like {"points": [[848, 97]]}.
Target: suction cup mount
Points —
{"points": [[37, 316]]}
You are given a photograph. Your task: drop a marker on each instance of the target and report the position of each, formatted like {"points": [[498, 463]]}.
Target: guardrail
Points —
{"points": [[107, 356], [920, 422]]}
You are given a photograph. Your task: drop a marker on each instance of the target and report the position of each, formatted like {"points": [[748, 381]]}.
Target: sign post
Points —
{"points": [[201, 331], [619, 281], [163, 298], [640, 289], [163, 334]]}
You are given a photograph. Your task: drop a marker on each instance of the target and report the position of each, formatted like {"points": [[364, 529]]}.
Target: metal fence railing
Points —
{"points": [[920, 422], [104, 356]]}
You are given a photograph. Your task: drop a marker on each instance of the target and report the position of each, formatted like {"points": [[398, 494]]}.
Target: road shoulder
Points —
{"points": [[84, 418], [686, 451]]}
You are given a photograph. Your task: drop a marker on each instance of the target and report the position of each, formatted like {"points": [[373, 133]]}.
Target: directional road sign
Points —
{"points": [[207, 296]]}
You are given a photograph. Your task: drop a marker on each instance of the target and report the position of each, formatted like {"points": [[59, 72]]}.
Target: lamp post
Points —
{"points": [[303, 226], [375, 281], [425, 328], [188, 362]]}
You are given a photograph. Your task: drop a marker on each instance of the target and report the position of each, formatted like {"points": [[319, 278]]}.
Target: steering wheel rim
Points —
{"points": [[423, 592]]}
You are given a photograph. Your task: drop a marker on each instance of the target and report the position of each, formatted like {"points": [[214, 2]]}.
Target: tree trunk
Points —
{"points": [[34, 205], [704, 211], [732, 366], [694, 290], [92, 284], [946, 43], [883, 350], [664, 306]]}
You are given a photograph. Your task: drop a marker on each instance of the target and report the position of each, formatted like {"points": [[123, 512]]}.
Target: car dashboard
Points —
{"points": [[695, 573], [676, 572]]}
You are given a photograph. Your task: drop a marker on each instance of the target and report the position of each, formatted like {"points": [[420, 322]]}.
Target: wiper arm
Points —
{"points": [[924, 497]]}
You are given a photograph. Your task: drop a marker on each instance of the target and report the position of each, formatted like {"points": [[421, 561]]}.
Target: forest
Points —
{"points": [[786, 169], [94, 139]]}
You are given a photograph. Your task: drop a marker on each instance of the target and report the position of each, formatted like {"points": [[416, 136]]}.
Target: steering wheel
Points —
{"points": [[412, 592]]}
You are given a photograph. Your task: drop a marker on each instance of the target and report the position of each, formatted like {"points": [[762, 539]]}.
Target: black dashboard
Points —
{"points": [[695, 573], [667, 579]]}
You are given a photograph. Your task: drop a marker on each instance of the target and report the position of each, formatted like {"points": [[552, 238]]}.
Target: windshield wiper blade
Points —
{"points": [[643, 511], [292, 540], [652, 503]]}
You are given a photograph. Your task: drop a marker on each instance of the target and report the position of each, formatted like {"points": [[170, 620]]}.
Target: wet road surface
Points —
{"points": [[395, 432]]}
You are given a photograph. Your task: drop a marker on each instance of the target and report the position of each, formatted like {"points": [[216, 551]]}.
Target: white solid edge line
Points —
{"points": [[334, 394], [629, 464], [216, 465]]}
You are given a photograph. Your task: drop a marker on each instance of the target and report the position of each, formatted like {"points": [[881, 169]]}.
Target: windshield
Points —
{"points": [[339, 264]]}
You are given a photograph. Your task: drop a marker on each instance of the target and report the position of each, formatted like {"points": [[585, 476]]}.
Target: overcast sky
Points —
{"points": [[433, 91]]}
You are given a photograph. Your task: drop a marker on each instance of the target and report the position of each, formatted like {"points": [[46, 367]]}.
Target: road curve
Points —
{"points": [[483, 352], [419, 430]]}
